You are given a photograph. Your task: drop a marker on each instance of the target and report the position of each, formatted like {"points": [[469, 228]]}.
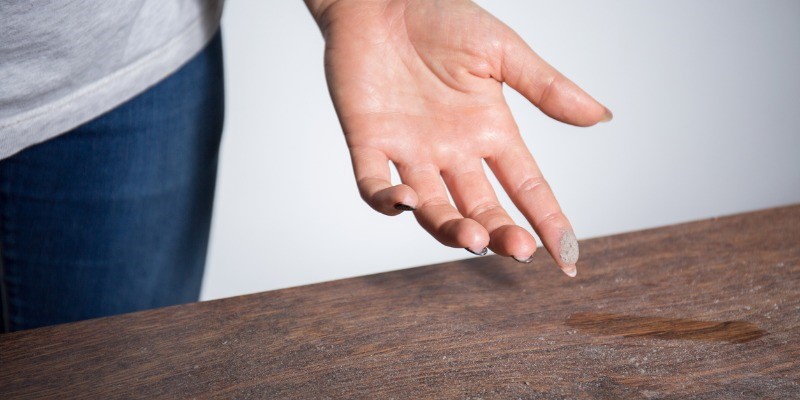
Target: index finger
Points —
{"points": [[521, 178]]}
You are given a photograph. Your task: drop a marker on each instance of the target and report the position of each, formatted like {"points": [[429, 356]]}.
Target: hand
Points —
{"points": [[420, 83]]}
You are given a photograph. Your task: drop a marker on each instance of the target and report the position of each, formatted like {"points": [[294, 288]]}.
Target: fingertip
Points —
{"points": [[570, 104], [607, 115], [465, 233], [513, 241], [568, 248], [394, 200], [568, 253], [406, 196], [602, 115]]}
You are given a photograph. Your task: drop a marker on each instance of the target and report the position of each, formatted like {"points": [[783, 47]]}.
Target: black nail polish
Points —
{"points": [[403, 207], [525, 261], [482, 253]]}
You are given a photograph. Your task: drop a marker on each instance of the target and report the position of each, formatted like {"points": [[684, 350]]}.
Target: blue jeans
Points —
{"points": [[114, 216]]}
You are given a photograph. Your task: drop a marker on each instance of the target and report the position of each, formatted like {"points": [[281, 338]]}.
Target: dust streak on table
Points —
{"points": [[707, 309]]}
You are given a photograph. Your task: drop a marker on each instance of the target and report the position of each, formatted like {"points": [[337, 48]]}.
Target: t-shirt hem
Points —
{"points": [[37, 125]]}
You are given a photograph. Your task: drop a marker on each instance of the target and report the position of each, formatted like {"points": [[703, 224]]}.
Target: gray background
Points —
{"points": [[706, 98]]}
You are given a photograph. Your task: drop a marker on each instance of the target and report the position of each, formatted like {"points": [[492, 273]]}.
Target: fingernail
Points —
{"points": [[607, 116], [569, 253], [525, 260], [403, 207], [569, 248], [477, 253]]}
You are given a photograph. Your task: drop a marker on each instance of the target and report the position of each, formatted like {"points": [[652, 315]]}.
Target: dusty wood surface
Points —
{"points": [[709, 309]]}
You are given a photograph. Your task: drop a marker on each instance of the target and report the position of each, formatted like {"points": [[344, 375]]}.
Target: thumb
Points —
{"points": [[548, 89]]}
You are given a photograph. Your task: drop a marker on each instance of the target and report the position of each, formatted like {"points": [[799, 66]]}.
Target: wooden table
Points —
{"points": [[708, 309]]}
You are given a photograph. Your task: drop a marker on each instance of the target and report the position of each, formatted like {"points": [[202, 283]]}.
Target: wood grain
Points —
{"points": [[702, 310]]}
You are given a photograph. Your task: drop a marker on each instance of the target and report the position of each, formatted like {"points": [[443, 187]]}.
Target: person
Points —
{"points": [[111, 116]]}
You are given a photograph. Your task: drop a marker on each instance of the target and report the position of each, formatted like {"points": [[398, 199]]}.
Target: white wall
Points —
{"points": [[706, 98]]}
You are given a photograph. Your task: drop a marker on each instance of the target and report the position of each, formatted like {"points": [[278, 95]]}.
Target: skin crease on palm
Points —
{"points": [[420, 84]]}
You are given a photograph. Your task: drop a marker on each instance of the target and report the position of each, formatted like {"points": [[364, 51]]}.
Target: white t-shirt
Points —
{"points": [[64, 62]]}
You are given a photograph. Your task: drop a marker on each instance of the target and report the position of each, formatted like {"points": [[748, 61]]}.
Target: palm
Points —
{"points": [[388, 78], [419, 83]]}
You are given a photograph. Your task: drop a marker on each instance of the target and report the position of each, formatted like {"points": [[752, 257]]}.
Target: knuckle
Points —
{"points": [[433, 202], [532, 184], [547, 91], [551, 217], [484, 209]]}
